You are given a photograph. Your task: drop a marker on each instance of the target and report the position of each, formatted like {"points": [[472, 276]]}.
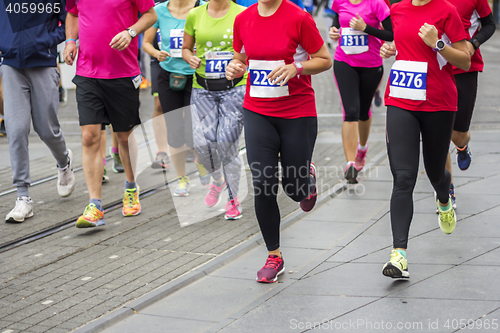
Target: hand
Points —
{"points": [[357, 23], [429, 35], [195, 62], [387, 51], [471, 49], [282, 74], [334, 34], [162, 55], [69, 54], [121, 41], [233, 70]]}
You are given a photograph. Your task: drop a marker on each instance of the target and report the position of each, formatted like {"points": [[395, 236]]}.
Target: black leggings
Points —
{"points": [[357, 85], [467, 92], [403, 146], [268, 139], [177, 116]]}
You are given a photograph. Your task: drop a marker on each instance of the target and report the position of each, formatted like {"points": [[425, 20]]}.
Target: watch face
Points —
{"points": [[132, 33], [440, 45]]}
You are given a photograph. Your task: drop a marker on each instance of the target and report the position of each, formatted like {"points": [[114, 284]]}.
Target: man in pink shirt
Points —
{"points": [[107, 81]]}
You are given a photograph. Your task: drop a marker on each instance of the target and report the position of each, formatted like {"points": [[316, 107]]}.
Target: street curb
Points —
{"points": [[208, 267]]}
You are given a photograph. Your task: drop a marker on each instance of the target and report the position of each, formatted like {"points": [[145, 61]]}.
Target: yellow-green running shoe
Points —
{"points": [[204, 175], [397, 267], [182, 189], [447, 219], [92, 217]]}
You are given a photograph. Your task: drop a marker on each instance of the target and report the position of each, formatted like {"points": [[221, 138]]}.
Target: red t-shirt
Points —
{"points": [[99, 21], [289, 35], [470, 12], [419, 71]]}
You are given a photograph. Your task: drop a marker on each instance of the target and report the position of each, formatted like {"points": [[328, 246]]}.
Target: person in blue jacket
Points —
{"points": [[28, 45]]}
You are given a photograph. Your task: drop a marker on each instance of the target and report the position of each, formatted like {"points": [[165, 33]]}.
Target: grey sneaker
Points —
{"points": [[23, 210], [162, 161], [66, 180]]}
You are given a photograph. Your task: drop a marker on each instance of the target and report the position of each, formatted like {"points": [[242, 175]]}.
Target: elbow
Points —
{"points": [[328, 64], [467, 65]]}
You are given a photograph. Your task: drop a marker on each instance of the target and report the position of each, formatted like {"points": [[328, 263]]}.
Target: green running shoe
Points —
{"points": [[105, 177], [117, 162], [397, 267], [447, 219]]}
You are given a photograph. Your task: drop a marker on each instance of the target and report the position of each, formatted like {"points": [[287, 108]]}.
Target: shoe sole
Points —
{"points": [[157, 165], [181, 194], [233, 218], [392, 271], [13, 220], [275, 279], [87, 224], [351, 175], [128, 215]]}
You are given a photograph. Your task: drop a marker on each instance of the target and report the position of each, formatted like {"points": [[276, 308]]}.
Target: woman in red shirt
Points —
{"points": [[421, 100], [279, 110]]}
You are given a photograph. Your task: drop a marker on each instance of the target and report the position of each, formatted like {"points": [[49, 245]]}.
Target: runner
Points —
{"points": [[421, 98], [217, 117], [30, 86], [279, 109], [358, 70], [175, 82], [479, 26], [107, 81]]}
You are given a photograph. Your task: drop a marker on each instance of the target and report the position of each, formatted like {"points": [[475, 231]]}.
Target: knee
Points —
{"points": [[351, 114], [90, 138], [405, 181]]}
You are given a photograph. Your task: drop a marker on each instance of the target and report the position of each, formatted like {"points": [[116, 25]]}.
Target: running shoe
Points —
{"points": [[351, 173], [117, 162], [204, 175], [464, 157], [397, 267], [190, 156], [3, 132], [274, 267], [63, 96], [213, 197], [233, 210], [162, 161], [447, 219], [377, 98], [131, 204], [91, 218], [22, 210], [182, 189], [452, 197], [308, 203], [105, 177], [360, 160], [66, 180]]}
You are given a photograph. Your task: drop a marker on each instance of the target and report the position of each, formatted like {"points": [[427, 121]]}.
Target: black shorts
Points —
{"points": [[467, 92], [155, 71], [107, 101]]}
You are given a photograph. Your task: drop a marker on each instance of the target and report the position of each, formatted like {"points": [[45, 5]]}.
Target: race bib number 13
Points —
{"points": [[408, 80], [176, 38]]}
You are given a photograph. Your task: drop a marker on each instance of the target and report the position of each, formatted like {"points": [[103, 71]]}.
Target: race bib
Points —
{"points": [[216, 64], [353, 41], [176, 38], [408, 80], [260, 86], [137, 80], [158, 38]]}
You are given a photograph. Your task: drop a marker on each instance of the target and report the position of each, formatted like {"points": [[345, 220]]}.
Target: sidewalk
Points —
{"points": [[334, 257]]}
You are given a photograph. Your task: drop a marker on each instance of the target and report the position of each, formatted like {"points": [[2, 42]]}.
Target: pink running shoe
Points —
{"points": [[308, 204], [274, 267], [213, 197], [359, 161], [233, 210]]}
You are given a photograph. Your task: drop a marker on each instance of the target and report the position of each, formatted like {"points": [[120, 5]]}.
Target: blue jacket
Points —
{"points": [[30, 39]]}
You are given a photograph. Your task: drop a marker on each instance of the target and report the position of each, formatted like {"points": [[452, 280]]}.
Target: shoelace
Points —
{"points": [[64, 176], [201, 169], [92, 211], [129, 197], [214, 192], [273, 263]]}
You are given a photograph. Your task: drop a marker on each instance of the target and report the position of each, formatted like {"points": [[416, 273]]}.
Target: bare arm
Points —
{"points": [[457, 54], [70, 50], [147, 45], [320, 61], [122, 40], [188, 52]]}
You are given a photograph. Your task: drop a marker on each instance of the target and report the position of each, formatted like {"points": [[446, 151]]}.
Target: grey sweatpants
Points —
{"points": [[31, 94], [217, 125]]}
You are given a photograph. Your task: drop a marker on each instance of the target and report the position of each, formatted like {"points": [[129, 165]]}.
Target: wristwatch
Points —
{"points": [[439, 46], [475, 43], [131, 32], [299, 67]]}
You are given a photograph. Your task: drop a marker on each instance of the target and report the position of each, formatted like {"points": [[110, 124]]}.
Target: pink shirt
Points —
{"points": [[99, 21], [373, 13]]}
